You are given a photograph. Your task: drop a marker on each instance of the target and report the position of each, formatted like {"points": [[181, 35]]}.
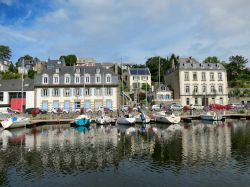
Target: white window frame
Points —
{"points": [[108, 76], [47, 78], [56, 92], [108, 91], [67, 92], [45, 92], [203, 76], [87, 77], [195, 89], [54, 79], [186, 76], [187, 87], [211, 76], [65, 79], [87, 91], [96, 78], [219, 76], [79, 78]]}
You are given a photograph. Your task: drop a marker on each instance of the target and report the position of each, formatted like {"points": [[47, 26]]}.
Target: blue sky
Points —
{"points": [[133, 29]]}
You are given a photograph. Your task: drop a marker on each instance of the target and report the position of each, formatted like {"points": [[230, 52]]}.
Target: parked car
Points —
{"points": [[87, 110], [229, 107], [195, 107], [216, 107], [36, 110], [59, 111], [156, 107], [238, 106], [175, 106], [104, 109]]}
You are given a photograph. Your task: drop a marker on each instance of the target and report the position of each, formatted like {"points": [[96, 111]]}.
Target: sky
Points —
{"points": [[132, 29]]}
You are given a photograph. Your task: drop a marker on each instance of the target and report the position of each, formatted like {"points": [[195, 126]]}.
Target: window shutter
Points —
{"points": [[74, 92], [42, 93]]}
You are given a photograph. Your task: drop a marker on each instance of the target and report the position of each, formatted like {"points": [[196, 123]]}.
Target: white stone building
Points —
{"points": [[76, 87], [161, 94], [4, 65], [198, 83], [85, 62], [136, 77]]}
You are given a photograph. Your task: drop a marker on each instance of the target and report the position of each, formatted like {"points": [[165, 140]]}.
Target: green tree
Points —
{"points": [[25, 57], [145, 86], [212, 59], [70, 60], [5, 53], [9, 75], [153, 64], [31, 74], [13, 69], [235, 66]]}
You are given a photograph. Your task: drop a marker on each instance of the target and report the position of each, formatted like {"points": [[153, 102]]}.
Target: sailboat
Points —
{"points": [[15, 121], [125, 119]]}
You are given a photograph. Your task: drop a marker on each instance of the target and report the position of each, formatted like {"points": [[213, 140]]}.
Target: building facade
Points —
{"points": [[11, 94], [4, 65], [198, 83], [161, 94], [85, 62], [73, 88], [136, 77]]}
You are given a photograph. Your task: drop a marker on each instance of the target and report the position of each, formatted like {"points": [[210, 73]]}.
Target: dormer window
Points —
{"points": [[67, 79], [87, 79], [55, 79], [57, 70], [77, 79], [97, 79], [45, 79], [108, 78]]}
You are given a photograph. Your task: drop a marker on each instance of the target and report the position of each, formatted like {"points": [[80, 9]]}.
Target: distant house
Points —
{"points": [[4, 65], [161, 94], [52, 64], [85, 62], [11, 93], [136, 77]]}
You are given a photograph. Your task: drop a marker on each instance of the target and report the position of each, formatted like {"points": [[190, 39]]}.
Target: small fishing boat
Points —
{"points": [[142, 118], [211, 116], [164, 117], [103, 120], [15, 122], [82, 120], [126, 120]]}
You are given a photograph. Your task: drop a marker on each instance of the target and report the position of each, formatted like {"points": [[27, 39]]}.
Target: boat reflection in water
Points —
{"points": [[58, 153]]}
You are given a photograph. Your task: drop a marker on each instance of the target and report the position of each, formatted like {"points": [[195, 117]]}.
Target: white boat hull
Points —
{"points": [[125, 121], [19, 122], [102, 120], [165, 118], [139, 120], [211, 116]]}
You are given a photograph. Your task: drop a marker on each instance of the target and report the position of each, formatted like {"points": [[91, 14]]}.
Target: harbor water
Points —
{"points": [[192, 154]]}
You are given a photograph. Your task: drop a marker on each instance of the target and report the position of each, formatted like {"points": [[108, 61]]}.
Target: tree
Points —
{"points": [[212, 59], [12, 68], [70, 60], [235, 66], [5, 53], [138, 66], [9, 75], [153, 65], [145, 86], [31, 74]]}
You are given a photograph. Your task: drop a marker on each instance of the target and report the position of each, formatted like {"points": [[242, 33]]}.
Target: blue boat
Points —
{"points": [[82, 120]]}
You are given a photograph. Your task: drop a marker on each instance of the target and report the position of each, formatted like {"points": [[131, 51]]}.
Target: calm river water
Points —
{"points": [[194, 154]]}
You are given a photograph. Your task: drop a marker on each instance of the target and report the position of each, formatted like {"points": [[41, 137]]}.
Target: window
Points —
{"points": [[220, 76], [78, 70], [187, 101], [87, 79], [108, 91], [77, 105], [45, 92], [87, 91], [212, 89], [1, 96], [196, 101], [187, 90], [56, 79], [98, 79], [77, 91], [45, 79], [77, 79], [57, 70], [144, 78], [204, 89], [195, 89], [211, 76], [97, 91], [67, 92], [194, 76], [108, 79], [56, 92], [186, 76], [67, 79], [220, 89], [203, 76], [98, 70], [136, 78]]}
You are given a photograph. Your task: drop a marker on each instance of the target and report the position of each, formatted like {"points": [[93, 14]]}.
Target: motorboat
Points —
{"points": [[142, 118], [164, 117], [15, 122], [82, 120], [211, 116], [126, 120], [103, 120]]}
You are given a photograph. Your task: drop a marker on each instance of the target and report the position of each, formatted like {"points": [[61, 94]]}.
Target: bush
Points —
{"points": [[242, 111]]}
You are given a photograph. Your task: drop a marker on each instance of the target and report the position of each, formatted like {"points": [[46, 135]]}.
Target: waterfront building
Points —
{"points": [[85, 62], [198, 83], [160, 94], [137, 77], [76, 87], [11, 93]]}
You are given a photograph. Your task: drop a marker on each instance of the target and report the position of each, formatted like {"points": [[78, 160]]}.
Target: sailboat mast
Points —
{"points": [[159, 71], [103, 90], [22, 87], [122, 84], [146, 95]]}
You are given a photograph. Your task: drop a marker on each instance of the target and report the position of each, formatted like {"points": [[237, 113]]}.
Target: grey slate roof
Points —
{"points": [[139, 71], [196, 66], [16, 85]]}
